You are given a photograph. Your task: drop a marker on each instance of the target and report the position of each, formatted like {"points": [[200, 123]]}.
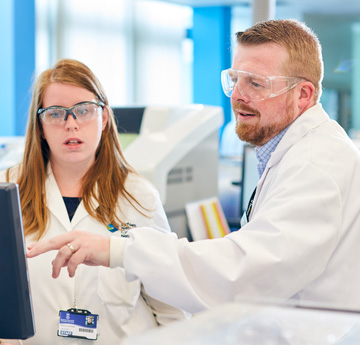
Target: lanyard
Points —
{"points": [[76, 286], [246, 216], [250, 205], [78, 323]]}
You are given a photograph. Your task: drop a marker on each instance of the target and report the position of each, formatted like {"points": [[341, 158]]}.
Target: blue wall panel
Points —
{"points": [[17, 25], [24, 11], [6, 68], [212, 54]]}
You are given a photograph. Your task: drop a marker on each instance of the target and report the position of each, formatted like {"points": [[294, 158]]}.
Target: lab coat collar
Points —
{"points": [[310, 119], [81, 213], [56, 205], [307, 121]]}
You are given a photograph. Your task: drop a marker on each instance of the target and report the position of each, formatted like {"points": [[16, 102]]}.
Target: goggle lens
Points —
{"points": [[81, 112], [255, 87]]}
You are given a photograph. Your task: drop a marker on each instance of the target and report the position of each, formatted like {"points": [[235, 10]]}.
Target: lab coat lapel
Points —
{"points": [[55, 202]]}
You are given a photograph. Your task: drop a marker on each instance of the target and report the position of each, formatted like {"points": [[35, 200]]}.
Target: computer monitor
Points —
{"points": [[16, 316]]}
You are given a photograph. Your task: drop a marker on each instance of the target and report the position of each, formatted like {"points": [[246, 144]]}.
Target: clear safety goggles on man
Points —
{"points": [[255, 87], [82, 112]]}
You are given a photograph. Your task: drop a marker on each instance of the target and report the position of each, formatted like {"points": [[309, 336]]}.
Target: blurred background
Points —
{"points": [[165, 52]]}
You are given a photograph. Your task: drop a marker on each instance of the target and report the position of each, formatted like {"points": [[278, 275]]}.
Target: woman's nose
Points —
{"points": [[71, 122]]}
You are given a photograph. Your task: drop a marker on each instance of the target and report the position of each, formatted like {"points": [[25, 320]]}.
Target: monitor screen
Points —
{"points": [[128, 119], [16, 316]]}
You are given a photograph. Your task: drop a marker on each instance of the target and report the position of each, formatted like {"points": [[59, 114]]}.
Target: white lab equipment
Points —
{"points": [[176, 148], [11, 151]]}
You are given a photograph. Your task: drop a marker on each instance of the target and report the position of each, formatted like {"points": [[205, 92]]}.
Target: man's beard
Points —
{"points": [[256, 134]]}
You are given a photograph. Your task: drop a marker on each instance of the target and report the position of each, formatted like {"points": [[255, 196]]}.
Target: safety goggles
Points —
{"points": [[255, 87], [82, 112]]}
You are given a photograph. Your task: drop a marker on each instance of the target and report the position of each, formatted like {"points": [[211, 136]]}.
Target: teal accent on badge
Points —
{"points": [[111, 228]]}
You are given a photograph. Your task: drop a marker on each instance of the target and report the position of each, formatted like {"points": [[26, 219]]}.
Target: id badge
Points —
{"points": [[78, 323]]}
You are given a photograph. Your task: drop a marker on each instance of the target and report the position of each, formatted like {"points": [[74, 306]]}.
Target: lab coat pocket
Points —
{"points": [[115, 290]]}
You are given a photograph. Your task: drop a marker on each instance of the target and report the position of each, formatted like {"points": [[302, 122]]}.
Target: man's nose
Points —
{"points": [[238, 96]]}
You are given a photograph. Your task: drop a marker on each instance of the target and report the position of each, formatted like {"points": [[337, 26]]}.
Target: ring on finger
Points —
{"points": [[71, 248]]}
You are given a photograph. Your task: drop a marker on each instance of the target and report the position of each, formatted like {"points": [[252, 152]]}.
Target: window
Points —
{"points": [[135, 47]]}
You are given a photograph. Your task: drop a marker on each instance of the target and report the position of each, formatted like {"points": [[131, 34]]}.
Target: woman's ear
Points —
{"points": [[306, 95], [105, 117]]}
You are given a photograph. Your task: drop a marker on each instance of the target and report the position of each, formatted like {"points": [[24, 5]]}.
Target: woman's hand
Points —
{"points": [[74, 248]]}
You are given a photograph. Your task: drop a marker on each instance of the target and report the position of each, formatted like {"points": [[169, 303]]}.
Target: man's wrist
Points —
{"points": [[117, 246]]}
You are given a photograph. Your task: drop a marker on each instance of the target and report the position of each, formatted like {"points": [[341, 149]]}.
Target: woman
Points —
{"points": [[74, 176]]}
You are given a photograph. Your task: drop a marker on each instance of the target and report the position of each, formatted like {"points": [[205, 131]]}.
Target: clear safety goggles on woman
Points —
{"points": [[83, 111]]}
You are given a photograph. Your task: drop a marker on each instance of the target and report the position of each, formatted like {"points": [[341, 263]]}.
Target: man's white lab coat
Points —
{"points": [[302, 241]]}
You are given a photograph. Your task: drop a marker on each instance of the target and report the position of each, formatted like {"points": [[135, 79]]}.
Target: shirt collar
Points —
{"points": [[263, 153]]}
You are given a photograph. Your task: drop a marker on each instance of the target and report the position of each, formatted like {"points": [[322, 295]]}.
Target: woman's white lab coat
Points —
{"points": [[302, 240], [121, 308]]}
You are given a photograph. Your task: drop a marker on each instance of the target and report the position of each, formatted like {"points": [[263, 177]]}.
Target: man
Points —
{"points": [[300, 238]]}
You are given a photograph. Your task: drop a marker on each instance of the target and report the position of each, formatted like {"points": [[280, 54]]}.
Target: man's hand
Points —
{"points": [[74, 248]]}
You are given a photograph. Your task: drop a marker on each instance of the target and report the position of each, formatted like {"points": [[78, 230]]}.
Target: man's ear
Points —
{"points": [[306, 94]]}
